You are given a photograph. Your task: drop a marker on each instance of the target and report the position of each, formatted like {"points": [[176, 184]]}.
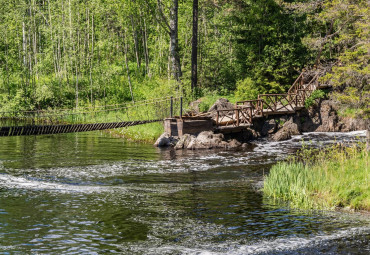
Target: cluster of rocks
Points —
{"points": [[205, 140]]}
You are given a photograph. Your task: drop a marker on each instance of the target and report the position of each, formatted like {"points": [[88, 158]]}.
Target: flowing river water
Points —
{"points": [[89, 193]]}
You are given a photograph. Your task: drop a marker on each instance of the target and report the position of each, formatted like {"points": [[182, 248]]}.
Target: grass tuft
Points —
{"points": [[147, 133]]}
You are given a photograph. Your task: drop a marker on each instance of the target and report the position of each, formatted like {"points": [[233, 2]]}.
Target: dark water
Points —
{"points": [[92, 194]]}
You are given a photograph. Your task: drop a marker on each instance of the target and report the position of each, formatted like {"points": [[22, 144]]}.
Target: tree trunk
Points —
{"points": [[175, 59], [194, 50], [128, 70], [134, 35]]}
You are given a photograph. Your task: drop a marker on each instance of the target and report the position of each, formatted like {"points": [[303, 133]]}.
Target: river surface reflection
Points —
{"points": [[89, 193]]}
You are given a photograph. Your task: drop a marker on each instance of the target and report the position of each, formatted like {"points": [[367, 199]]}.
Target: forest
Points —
{"points": [[77, 53]]}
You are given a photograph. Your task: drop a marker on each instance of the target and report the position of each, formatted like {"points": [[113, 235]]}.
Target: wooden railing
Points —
{"points": [[266, 104], [256, 105], [242, 115], [278, 102], [298, 83]]}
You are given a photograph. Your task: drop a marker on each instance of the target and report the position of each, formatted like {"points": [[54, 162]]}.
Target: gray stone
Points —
{"points": [[165, 140], [220, 104], [289, 128], [184, 141]]}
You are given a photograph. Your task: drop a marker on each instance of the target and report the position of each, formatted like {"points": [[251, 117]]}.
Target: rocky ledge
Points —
{"points": [[205, 140]]}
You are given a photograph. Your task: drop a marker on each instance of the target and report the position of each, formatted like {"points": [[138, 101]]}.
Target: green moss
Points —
{"points": [[337, 177]]}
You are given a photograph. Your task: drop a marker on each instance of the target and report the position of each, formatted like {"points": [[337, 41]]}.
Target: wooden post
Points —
{"points": [[237, 117], [250, 115], [171, 108], [180, 107]]}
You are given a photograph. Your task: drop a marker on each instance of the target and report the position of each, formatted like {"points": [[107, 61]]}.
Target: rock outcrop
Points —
{"points": [[324, 117], [289, 128]]}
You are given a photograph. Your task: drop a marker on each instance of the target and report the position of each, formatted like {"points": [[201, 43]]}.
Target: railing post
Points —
{"points": [[171, 108], [237, 117], [296, 100], [180, 107], [250, 115]]}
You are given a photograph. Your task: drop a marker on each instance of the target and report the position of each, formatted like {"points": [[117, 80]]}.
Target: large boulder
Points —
{"points": [[165, 140], [289, 128], [206, 140], [210, 140], [220, 104]]}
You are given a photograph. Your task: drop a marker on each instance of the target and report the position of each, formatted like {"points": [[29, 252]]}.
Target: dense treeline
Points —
{"points": [[71, 53]]}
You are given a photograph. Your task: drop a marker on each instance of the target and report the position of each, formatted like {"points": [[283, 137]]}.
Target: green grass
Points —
{"points": [[147, 133], [336, 177]]}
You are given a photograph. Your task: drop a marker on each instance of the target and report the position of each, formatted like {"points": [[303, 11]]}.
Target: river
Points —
{"points": [[89, 193]]}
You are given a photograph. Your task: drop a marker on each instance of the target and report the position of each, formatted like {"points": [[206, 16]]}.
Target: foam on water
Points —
{"points": [[13, 182], [292, 245]]}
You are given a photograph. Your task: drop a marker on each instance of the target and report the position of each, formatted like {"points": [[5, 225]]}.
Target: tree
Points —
{"points": [[194, 50]]}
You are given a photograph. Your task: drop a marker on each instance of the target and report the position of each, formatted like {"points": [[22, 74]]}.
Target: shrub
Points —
{"points": [[317, 94]]}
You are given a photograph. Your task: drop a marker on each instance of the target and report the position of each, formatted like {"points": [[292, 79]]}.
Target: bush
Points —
{"points": [[246, 89]]}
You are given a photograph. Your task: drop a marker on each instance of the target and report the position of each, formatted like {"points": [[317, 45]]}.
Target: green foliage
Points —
{"points": [[246, 89], [346, 25], [335, 177], [70, 54], [317, 94], [350, 112]]}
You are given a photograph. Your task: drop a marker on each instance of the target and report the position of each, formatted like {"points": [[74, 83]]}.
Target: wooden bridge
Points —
{"points": [[239, 117], [244, 112]]}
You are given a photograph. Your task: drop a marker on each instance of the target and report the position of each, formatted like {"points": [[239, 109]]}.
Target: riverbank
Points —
{"points": [[337, 177]]}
